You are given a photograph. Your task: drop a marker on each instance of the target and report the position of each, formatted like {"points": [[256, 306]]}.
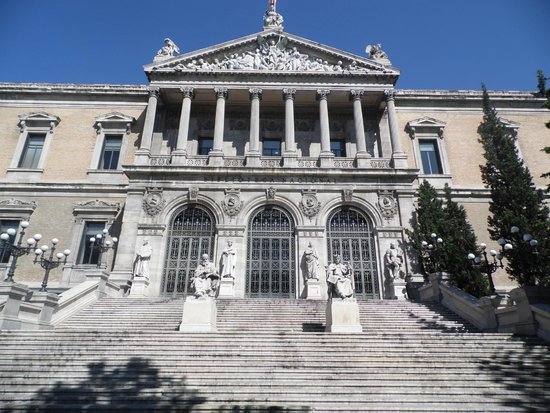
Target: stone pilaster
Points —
{"points": [[253, 155], [179, 155], [327, 157], [142, 154], [398, 156], [216, 154], [290, 155]]}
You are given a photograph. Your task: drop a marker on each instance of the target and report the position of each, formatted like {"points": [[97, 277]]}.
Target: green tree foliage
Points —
{"points": [[543, 92], [514, 200], [448, 220]]}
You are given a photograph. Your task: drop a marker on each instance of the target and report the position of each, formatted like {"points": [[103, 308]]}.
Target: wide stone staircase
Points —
{"points": [[270, 356]]}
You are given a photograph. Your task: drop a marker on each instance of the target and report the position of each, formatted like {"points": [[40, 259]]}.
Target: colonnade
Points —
{"points": [[253, 154]]}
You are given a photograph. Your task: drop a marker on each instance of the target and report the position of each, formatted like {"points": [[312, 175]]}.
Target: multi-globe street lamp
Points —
{"points": [[101, 244], [51, 262], [433, 249], [16, 248]]}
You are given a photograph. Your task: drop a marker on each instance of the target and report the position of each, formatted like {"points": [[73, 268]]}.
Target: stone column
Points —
{"points": [[362, 154], [253, 155], [216, 154], [178, 156], [142, 154], [398, 156], [327, 157], [290, 155]]}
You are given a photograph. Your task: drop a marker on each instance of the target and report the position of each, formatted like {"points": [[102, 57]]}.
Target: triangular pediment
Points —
{"points": [[270, 52], [39, 117], [115, 117], [426, 122]]}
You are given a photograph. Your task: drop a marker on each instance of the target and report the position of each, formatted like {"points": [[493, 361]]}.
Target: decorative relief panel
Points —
{"points": [[387, 204], [153, 201], [193, 193], [347, 194], [151, 229], [310, 205], [270, 193], [232, 203]]}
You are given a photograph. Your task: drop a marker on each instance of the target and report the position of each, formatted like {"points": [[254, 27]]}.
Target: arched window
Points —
{"points": [[270, 265], [350, 235], [191, 234]]}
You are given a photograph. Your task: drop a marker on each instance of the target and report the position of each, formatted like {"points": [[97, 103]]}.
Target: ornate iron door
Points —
{"points": [[270, 261], [191, 235], [349, 234]]}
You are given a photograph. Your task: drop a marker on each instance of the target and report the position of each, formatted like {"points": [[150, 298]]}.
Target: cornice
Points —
{"points": [[70, 88]]}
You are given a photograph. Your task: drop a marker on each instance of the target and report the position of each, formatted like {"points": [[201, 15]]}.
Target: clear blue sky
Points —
{"points": [[437, 44]]}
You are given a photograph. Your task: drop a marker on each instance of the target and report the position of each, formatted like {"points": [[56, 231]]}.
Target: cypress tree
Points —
{"points": [[514, 200], [543, 92], [449, 221]]}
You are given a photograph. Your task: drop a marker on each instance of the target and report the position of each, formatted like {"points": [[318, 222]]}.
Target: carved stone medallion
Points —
{"points": [[387, 204], [153, 201], [232, 203], [309, 204]]}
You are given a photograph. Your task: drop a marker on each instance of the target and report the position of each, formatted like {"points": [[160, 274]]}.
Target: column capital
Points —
{"points": [[187, 92], [356, 94], [389, 94], [322, 94], [221, 92], [154, 92], [255, 93], [289, 94]]}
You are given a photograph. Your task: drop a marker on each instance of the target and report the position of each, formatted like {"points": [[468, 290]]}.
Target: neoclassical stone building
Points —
{"points": [[271, 141]]}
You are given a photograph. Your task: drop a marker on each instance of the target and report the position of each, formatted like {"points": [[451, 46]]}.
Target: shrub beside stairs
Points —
{"points": [[124, 354]]}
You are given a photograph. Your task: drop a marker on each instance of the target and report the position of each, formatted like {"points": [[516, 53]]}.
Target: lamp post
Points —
{"points": [[433, 250], [524, 243], [49, 263], [101, 244], [486, 265], [17, 250]]}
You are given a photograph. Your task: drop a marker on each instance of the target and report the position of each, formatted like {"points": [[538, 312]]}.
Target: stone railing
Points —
{"points": [[527, 314], [308, 162], [160, 160], [199, 160], [234, 161], [344, 163], [270, 162], [23, 309]]}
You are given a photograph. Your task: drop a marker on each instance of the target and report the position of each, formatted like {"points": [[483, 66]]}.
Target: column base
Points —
{"points": [[226, 288], [199, 315], [313, 289], [215, 158], [343, 316], [327, 159], [142, 157], [253, 159], [363, 160], [290, 159], [399, 160], [139, 287], [179, 157]]}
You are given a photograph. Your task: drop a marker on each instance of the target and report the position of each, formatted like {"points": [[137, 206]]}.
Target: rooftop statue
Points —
{"points": [[168, 50], [272, 19]]}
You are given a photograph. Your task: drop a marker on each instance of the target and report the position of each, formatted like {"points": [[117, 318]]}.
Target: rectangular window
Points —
{"points": [[6, 224], [431, 163], [271, 147], [338, 148], [111, 152], [205, 145], [86, 254], [32, 151]]}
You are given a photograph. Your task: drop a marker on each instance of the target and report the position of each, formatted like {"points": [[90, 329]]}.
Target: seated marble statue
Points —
{"points": [[206, 278], [339, 279]]}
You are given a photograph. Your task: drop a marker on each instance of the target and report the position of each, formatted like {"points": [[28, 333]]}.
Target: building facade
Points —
{"points": [[273, 143]]}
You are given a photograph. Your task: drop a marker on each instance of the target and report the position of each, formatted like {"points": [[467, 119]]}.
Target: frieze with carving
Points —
{"points": [[153, 201], [17, 203], [273, 53]]}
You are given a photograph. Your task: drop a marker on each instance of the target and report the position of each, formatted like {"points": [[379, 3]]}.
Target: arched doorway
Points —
{"points": [[270, 263], [191, 234], [350, 235]]}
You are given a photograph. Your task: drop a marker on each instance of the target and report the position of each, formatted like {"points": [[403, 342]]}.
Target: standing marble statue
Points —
{"points": [[206, 278], [393, 260], [312, 262], [339, 279], [229, 257], [141, 263]]}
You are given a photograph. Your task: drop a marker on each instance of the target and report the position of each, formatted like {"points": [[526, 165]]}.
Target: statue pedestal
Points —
{"points": [[313, 289], [343, 316], [199, 315], [139, 287], [226, 288]]}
